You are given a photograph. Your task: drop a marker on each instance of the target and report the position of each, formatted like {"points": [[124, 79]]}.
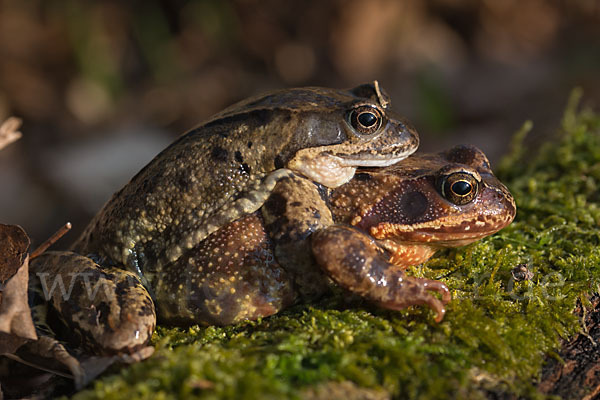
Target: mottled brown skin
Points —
{"points": [[106, 310]]}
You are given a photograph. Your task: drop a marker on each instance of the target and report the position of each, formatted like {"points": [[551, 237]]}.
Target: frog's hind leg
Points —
{"points": [[106, 310], [355, 262], [230, 276]]}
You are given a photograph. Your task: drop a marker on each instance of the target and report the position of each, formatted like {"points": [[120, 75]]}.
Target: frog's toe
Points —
{"points": [[439, 287], [424, 296], [415, 292], [436, 305]]}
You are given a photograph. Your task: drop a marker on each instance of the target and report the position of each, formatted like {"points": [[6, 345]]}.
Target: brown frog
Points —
{"points": [[400, 216], [362, 235], [227, 168], [218, 173]]}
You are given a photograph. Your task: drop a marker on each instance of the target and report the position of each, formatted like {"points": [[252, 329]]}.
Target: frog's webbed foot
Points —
{"points": [[355, 262], [106, 309], [408, 291]]}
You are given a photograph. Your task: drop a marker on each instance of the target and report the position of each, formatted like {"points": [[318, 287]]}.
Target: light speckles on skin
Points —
{"points": [[225, 279]]}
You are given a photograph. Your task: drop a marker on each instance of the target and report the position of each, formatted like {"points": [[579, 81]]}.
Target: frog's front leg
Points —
{"points": [[295, 210], [355, 261], [107, 310]]}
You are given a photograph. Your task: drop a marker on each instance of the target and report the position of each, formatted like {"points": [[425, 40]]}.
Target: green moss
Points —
{"points": [[497, 332]]}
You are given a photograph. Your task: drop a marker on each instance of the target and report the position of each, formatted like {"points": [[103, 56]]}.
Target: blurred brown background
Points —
{"points": [[103, 86]]}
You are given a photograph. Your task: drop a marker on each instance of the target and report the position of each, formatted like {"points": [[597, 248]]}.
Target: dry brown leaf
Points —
{"points": [[15, 316], [9, 131], [16, 325], [14, 243], [10, 343], [48, 354]]}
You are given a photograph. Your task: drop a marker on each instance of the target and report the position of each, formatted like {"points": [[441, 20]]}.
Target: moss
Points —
{"points": [[496, 333]]}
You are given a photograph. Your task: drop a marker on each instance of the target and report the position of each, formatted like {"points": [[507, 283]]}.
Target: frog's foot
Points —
{"points": [[107, 310], [355, 262], [407, 291]]}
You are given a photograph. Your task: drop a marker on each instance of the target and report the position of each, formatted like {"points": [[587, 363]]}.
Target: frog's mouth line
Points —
{"points": [[380, 161], [438, 242], [333, 170], [437, 237]]}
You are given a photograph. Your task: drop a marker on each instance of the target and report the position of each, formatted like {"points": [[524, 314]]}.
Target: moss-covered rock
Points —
{"points": [[496, 333]]}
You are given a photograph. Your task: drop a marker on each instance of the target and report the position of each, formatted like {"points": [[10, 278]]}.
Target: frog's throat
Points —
{"points": [[333, 170], [325, 169], [406, 254]]}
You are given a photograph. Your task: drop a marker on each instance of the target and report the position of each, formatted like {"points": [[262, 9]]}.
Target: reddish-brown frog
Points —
{"points": [[361, 235], [398, 217]]}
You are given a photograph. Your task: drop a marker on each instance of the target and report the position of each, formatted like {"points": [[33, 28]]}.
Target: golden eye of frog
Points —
{"points": [[409, 211]]}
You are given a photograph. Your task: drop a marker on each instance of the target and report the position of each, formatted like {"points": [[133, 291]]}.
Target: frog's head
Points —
{"points": [[427, 201], [327, 133], [338, 131]]}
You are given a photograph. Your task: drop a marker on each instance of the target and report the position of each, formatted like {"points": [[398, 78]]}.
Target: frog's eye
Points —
{"points": [[366, 119], [459, 188]]}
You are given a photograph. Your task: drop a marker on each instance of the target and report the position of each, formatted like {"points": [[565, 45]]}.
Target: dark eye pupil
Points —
{"points": [[367, 119], [461, 188]]}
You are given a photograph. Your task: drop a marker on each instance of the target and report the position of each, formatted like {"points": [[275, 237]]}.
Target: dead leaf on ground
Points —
{"points": [[14, 243], [9, 131], [15, 316], [50, 355], [16, 325]]}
